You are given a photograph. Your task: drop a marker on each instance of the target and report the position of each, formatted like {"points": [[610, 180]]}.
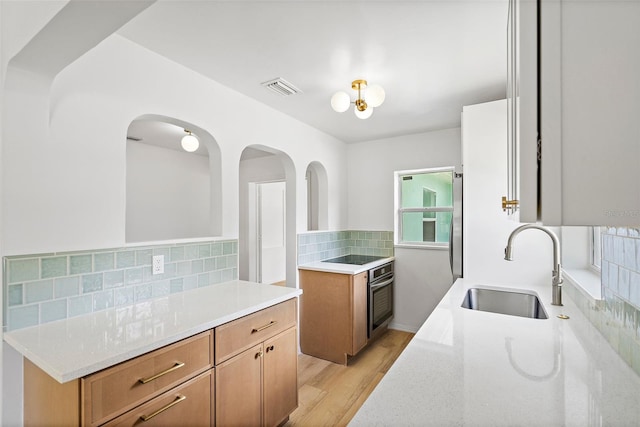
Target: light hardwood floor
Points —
{"points": [[331, 394]]}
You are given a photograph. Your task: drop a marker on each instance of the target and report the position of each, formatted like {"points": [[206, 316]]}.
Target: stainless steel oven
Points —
{"points": [[380, 298]]}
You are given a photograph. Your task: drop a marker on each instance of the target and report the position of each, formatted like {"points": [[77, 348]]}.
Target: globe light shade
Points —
{"points": [[375, 95], [189, 143], [340, 102], [363, 114]]}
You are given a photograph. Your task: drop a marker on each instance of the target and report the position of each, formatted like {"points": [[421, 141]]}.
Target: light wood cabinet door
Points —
{"points": [[239, 389], [280, 379]]}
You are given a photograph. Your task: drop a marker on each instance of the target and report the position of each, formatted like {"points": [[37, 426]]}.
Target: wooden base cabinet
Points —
{"points": [[333, 314], [259, 386], [254, 381]]}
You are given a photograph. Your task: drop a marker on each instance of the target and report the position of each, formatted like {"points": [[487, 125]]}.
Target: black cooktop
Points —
{"points": [[354, 259]]}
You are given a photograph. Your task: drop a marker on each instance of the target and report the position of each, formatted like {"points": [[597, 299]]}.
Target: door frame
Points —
{"points": [[255, 241]]}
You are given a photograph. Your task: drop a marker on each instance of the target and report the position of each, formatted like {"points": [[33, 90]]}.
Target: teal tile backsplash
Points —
{"points": [[103, 261], [47, 287], [53, 267], [41, 290], [22, 270], [617, 314], [79, 264], [317, 246]]}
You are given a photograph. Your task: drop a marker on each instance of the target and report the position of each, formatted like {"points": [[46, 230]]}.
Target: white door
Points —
{"points": [[271, 239]]}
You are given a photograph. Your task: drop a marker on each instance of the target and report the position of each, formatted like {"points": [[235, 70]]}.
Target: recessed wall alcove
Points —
{"points": [[317, 197], [171, 193]]}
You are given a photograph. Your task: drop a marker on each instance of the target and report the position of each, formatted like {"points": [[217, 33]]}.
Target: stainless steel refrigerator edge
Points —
{"points": [[455, 233]]}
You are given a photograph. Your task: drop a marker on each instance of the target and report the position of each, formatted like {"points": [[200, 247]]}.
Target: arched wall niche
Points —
{"points": [[264, 164], [317, 197], [170, 193]]}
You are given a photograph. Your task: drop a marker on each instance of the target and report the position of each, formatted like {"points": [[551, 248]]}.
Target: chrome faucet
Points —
{"points": [[556, 281]]}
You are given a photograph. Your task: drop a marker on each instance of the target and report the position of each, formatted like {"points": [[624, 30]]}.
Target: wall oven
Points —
{"points": [[380, 298]]}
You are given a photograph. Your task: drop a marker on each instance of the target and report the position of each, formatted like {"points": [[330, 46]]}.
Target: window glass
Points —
{"points": [[425, 207]]}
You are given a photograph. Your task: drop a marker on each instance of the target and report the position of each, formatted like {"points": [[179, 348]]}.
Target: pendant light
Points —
{"points": [[189, 142]]}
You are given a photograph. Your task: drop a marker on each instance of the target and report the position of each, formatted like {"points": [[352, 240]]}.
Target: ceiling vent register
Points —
{"points": [[281, 87]]}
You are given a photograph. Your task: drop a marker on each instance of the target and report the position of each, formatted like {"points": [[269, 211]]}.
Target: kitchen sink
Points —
{"points": [[510, 302]]}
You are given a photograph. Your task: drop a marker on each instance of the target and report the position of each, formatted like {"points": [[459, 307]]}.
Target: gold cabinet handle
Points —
{"points": [[258, 354], [262, 328], [178, 365], [164, 408], [509, 204]]}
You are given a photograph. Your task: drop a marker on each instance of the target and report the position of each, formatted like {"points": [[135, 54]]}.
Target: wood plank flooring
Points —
{"points": [[331, 394]]}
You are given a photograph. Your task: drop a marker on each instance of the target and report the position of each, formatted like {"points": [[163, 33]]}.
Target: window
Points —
{"points": [[424, 207], [596, 248]]}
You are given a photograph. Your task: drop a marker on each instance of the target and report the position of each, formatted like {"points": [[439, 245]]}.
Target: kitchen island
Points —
{"points": [[337, 306], [468, 367], [179, 357]]}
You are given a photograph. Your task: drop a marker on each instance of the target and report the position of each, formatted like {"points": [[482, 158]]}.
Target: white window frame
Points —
{"points": [[398, 175], [595, 249]]}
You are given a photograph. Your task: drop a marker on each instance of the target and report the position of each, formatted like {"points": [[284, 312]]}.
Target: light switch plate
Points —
{"points": [[157, 264]]}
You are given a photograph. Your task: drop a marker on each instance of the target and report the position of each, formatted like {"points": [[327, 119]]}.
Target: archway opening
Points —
{"points": [[267, 234], [171, 193]]}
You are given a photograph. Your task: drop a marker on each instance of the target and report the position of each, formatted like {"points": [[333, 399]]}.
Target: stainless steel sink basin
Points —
{"points": [[513, 303]]}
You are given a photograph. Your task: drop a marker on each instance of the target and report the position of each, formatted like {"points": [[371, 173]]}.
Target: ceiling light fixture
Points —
{"points": [[189, 142], [340, 101]]}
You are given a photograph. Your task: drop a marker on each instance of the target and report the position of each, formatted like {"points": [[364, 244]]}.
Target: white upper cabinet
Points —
{"points": [[587, 99]]}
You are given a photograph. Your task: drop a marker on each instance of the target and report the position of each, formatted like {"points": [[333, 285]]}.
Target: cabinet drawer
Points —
{"points": [[188, 404], [115, 390], [241, 334]]}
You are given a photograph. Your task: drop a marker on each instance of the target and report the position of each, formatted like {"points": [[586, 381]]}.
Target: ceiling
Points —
{"points": [[431, 57]]}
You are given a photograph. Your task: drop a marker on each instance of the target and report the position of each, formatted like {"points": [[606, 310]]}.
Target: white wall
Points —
{"points": [[167, 194], [423, 276]]}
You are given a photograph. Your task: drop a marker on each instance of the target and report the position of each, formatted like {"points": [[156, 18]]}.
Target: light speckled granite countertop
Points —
{"points": [[72, 348], [474, 368]]}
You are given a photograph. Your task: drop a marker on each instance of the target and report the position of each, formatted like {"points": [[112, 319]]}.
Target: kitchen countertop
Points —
{"points": [[72, 348], [466, 367], [332, 267]]}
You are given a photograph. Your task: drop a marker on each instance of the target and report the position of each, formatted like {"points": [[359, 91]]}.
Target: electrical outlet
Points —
{"points": [[157, 264]]}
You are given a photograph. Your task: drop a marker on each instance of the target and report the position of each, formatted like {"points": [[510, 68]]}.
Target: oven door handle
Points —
{"points": [[379, 285]]}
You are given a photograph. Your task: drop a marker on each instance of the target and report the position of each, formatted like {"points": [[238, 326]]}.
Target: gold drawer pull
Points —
{"points": [[262, 328], [164, 408], [178, 365]]}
